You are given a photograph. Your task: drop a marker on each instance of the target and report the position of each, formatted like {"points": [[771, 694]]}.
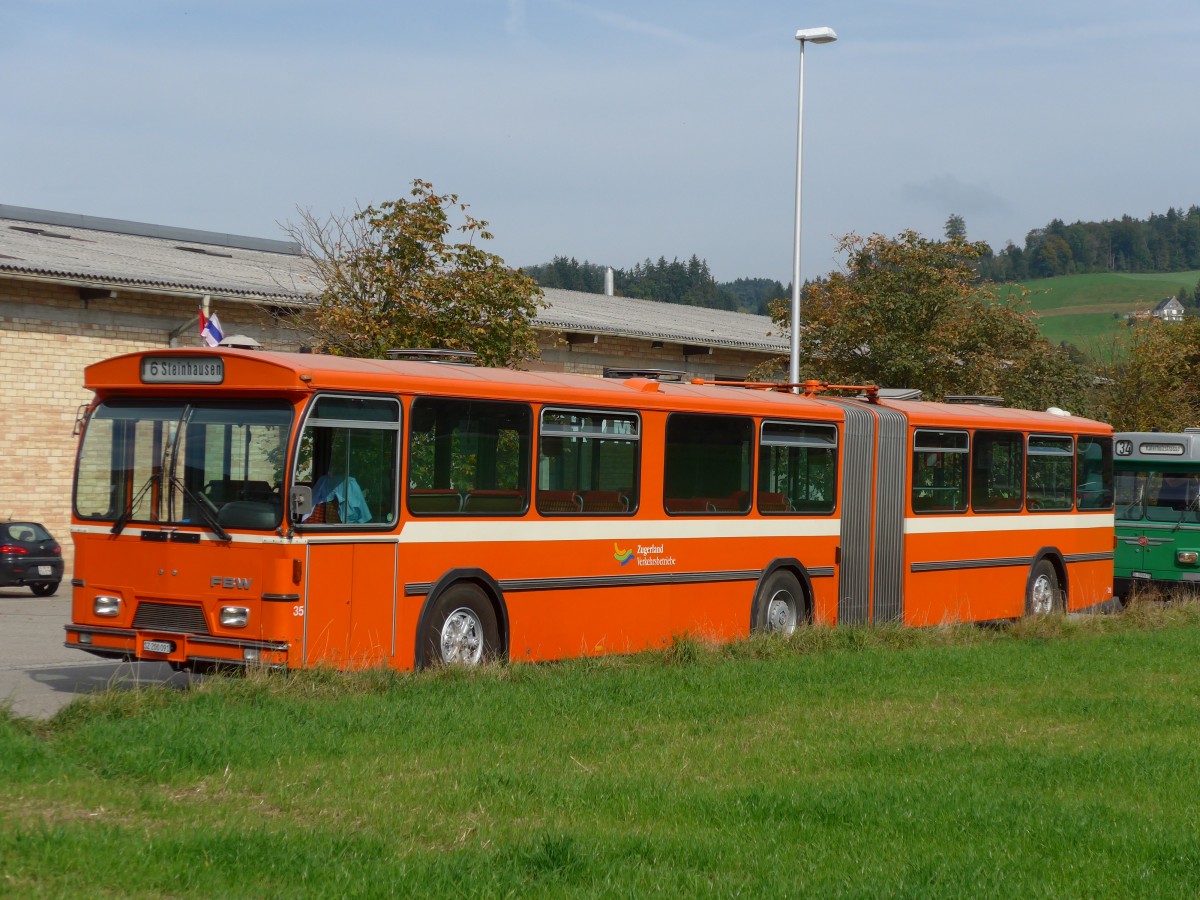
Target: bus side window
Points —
{"points": [[797, 468], [588, 462], [939, 471], [997, 471], [348, 455], [1094, 472], [468, 457], [707, 464], [1049, 472]]}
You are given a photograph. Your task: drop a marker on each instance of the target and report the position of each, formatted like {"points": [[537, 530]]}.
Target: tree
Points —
{"points": [[569, 274], [905, 312], [392, 280], [956, 228], [1155, 384]]}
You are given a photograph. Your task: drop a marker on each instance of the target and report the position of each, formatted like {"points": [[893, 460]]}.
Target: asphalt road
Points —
{"points": [[39, 676]]}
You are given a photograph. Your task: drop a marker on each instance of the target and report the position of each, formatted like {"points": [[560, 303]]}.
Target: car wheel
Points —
{"points": [[462, 628], [779, 607], [44, 589], [1043, 597]]}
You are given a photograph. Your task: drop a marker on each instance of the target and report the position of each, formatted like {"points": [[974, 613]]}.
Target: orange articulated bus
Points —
{"points": [[243, 507]]}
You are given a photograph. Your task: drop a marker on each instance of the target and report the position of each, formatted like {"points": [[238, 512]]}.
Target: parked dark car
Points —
{"points": [[30, 556]]}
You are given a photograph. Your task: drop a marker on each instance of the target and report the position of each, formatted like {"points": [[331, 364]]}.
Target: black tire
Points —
{"points": [[461, 629], [779, 605], [1043, 595], [45, 588]]}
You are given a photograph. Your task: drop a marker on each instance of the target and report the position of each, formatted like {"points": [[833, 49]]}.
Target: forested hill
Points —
{"points": [[689, 283], [1163, 243], [1169, 242]]}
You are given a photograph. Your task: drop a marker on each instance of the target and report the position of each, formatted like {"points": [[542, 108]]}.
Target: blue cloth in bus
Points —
{"points": [[352, 504]]}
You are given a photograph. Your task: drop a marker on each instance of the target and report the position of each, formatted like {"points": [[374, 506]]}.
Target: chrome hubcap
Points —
{"points": [[781, 613], [462, 638], [1043, 596]]}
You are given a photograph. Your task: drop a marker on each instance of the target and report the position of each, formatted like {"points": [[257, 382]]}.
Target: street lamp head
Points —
{"points": [[816, 35]]}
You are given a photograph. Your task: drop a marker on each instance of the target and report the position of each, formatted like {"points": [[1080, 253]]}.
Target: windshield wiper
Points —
{"points": [[123, 518], [202, 504]]}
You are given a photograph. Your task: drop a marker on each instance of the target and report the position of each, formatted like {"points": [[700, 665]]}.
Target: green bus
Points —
{"points": [[1157, 477]]}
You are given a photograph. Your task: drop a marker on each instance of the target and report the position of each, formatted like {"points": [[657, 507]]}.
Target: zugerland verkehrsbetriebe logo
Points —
{"points": [[646, 555]]}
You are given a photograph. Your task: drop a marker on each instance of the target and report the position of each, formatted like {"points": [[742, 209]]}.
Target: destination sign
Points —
{"points": [[1162, 449], [182, 370]]}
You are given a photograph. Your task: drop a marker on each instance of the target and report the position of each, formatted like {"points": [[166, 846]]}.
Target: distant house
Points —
{"points": [[1168, 310]]}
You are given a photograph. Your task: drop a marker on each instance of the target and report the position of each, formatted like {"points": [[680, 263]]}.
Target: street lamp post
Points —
{"points": [[804, 36]]}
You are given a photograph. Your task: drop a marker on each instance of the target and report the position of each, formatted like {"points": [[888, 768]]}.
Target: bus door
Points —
{"points": [[871, 572], [348, 456], [350, 602]]}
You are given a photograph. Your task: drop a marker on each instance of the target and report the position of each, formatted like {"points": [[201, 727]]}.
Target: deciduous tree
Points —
{"points": [[1155, 384], [394, 278], [905, 312]]}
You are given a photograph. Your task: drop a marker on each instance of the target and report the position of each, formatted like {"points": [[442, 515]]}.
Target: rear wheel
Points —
{"points": [[1043, 596], [462, 629], [45, 588], [779, 605]]}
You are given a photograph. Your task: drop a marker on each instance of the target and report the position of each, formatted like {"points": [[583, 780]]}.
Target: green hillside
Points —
{"points": [[1089, 310]]}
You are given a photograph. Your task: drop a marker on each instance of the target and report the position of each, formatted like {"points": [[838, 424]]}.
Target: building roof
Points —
{"points": [[111, 253], [650, 320], [1167, 303]]}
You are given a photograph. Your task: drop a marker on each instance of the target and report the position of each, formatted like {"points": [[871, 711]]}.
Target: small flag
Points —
{"points": [[210, 329]]}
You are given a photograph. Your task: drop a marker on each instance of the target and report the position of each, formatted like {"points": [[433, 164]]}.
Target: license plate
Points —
{"points": [[157, 646], [45, 570], [1145, 575]]}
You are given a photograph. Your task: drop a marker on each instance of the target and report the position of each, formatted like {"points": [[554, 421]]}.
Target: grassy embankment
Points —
{"points": [[1080, 308], [1059, 758]]}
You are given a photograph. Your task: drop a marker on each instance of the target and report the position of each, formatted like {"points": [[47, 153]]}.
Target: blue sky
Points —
{"points": [[607, 131]]}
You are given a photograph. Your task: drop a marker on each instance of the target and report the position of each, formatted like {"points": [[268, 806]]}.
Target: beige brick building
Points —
{"points": [[75, 290]]}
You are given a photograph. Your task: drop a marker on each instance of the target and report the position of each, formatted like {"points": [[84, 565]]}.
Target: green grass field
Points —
{"points": [[1080, 308], [1054, 759]]}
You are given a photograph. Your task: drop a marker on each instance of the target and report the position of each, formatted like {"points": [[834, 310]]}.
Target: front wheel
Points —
{"points": [[779, 605], [1043, 596], [462, 629], [44, 589]]}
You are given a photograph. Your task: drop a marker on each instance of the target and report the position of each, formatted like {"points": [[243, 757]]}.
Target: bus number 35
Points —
{"points": [[298, 610]]}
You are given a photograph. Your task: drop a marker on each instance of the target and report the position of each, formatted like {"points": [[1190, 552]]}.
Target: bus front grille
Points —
{"points": [[170, 617]]}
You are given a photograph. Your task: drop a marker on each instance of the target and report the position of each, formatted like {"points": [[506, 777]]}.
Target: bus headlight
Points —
{"points": [[234, 616], [106, 606], [1187, 557]]}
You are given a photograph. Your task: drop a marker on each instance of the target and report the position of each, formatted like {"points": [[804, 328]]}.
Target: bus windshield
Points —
{"points": [[1158, 496], [214, 465]]}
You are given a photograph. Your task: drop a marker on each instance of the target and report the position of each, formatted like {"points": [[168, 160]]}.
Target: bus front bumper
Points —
{"points": [[179, 649]]}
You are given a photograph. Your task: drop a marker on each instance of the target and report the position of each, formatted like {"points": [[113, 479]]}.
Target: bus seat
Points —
{"points": [[434, 500], [604, 501], [494, 501], [689, 505], [248, 514], [559, 502], [773, 503], [223, 490], [738, 501], [325, 513]]}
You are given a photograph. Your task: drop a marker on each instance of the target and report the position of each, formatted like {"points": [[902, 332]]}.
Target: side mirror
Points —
{"points": [[300, 501]]}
